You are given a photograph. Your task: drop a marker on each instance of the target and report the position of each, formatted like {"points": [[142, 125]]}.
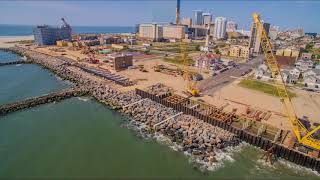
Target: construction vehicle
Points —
{"points": [[192, 85], [167, 70], [141, 68], [92, 59], [301, 132]]}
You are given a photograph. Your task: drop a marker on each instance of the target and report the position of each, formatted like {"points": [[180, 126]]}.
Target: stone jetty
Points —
{"points": [[35, 101], [14, 62]]}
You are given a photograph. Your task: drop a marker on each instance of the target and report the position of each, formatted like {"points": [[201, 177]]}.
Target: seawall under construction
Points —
{"points": [[213, 133]]}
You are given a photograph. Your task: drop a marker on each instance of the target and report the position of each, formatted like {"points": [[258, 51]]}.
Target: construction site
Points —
{"points": [[282, 125]]}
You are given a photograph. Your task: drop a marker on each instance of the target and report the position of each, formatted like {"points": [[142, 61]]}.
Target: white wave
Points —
{"points": [[221, 156], [18, 64], [202, 165], [176, 147], [265, 164], [85, 99], [162, 139], [262, 164], [297, 168]]}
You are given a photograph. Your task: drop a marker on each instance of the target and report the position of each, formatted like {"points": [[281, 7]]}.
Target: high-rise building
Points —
{"points": [[232, 26], [47, 35], [178, 12], [273, 32], [220, 27], [298, 32], [197, 18], [136, 28], [255, 38], [174, 32], [152, 31], [186, 21], [197, 32], [207, 18], [211, 28]]}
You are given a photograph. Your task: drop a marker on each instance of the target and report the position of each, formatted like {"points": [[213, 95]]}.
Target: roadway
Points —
{"points": [[212, 84]]}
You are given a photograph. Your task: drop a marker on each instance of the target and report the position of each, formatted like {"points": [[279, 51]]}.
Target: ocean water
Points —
{"points": [[23, 81], [81, 138], [23, 30], [9, 57]]}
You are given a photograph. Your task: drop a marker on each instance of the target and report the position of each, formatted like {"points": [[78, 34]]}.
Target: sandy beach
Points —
{"points": [[5, 40]]}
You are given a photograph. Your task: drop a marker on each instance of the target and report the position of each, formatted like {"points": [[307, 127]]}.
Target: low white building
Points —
{"points": [[290, 75], [207, 61], [312, 81], [304, 65], [263, 73], [295, 72], [204, 48], [312, 72]]}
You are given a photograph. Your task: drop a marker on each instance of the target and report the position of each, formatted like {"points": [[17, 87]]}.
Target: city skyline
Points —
{"points": [[129, 13]]}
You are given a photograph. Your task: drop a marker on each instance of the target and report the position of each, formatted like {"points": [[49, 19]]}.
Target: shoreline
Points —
{"points": [[107, 93], [17, 36], [11, 41], [197, 138]]}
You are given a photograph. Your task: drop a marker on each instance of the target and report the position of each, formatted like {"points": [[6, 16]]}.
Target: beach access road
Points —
{"points": [[214, 83]]}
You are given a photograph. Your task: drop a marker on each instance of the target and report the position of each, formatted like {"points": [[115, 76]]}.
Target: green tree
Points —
{"points": [[147, 51], [217, 51], [197, 47], [309, 47]]}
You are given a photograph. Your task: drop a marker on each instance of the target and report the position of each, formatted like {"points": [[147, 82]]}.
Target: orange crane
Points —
{"points": [[303, 135]]}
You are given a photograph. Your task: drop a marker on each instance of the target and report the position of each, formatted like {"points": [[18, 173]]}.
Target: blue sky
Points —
{"points": [[286, 14]]}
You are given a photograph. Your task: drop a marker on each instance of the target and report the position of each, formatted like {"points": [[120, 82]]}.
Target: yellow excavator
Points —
{"points": [[192, 85], [302, 134]]}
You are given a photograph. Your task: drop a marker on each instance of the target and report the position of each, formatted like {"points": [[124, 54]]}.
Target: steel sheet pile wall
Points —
{"points": [[263, 143]]}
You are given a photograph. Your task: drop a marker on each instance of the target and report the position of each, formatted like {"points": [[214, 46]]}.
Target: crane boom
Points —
{"points": [[192, 85], [65, 22], [301, 132]]}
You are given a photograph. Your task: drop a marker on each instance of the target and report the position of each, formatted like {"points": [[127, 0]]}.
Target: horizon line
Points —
{"points": [[71, 25]]}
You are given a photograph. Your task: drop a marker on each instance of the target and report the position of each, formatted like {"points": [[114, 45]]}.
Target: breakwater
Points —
{"points": [[35, 101], [15, 62], [263, 143]]}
